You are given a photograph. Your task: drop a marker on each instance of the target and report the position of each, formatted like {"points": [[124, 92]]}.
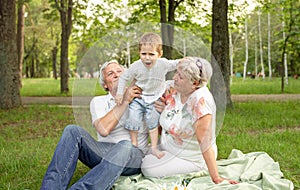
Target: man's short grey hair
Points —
{"points": [[197, 69], [101, 78]]}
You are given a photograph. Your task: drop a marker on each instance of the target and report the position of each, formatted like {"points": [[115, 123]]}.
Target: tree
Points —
{"points": [[220, 46], [261, 46], [287, 29], [269, 44], [20, 36], [9, 68], [52, 18], [246, 49], [167, 27], [65, 8]]}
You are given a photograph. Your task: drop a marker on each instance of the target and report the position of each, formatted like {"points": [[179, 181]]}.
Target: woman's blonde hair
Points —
{"points": [[196, 69]]}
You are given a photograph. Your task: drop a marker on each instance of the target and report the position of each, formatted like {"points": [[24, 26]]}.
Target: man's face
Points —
{"points": [[149, 55], [111, 76]]}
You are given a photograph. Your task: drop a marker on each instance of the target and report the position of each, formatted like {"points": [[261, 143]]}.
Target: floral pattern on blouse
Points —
{"points": [[182, 127], [169, 96]]}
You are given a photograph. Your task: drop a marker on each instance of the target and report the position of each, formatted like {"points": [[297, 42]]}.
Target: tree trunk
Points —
{"points": [[37, 67], [285, 55], [261, 48], [20, 37], [220, 48], [54, 62], [255, 55], [9, 68], [165, 33], [167, 25], [246, 49], [167, 28], [269, 46], [230, 56], [65, 10], [31, 69]]}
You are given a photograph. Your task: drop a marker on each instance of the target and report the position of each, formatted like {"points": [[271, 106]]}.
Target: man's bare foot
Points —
{"points": [[159, 154]]}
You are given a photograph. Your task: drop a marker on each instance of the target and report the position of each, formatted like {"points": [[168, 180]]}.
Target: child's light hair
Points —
{"points": [[196, 69], [151, 39]]}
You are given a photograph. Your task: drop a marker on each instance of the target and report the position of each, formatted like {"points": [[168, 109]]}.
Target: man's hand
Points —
{"points": [[132, 92]]}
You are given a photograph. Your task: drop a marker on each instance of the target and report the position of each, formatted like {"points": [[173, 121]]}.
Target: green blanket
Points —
{"points": [[255, 170]]}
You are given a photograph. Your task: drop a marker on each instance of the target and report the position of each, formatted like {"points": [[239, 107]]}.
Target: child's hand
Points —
{"points": [[119, 99]]}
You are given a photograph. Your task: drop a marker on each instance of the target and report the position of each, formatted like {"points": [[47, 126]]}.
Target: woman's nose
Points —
{"points": [[174, 77]]}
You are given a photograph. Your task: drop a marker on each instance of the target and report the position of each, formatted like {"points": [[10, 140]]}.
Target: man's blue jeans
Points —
{"points": [[107, 161]]}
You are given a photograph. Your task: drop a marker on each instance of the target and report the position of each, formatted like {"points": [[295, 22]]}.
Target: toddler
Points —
{"points": [[149, 74]]}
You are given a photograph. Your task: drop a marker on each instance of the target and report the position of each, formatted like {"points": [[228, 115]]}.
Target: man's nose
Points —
{"points": [[117, 75]]}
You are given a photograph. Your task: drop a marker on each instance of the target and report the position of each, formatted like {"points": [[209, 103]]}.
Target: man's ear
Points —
{"points": [[105, 86]]}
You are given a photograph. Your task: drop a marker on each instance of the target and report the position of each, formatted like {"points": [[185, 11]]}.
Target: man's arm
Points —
{"points": [[107, 123]]}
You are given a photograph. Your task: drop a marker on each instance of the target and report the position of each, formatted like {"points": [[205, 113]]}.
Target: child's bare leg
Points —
{"points": [[133, 136], [154, 139]]}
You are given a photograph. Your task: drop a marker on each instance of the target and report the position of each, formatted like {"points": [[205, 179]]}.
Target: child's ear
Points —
{"points": [[160, 53]]}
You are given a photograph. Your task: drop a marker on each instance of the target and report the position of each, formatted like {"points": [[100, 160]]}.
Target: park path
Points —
{"points": [[235, 98]]}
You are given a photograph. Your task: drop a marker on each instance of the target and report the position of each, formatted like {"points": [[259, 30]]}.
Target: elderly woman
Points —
{"points": [[188, 124]]}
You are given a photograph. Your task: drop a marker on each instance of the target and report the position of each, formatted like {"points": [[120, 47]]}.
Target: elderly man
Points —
{"points": [[109, 157]]}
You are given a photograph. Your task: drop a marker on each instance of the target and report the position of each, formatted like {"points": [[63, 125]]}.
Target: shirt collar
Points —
{"points": [[110, 97]]}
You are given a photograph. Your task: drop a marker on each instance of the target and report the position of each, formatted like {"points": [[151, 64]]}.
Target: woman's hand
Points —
{"points": [[220, 179], [160, 105]]}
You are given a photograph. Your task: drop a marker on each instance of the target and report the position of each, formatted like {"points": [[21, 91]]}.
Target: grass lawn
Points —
{"points": [[91, 87], [51, 87], [266, 86], [29, 136]]}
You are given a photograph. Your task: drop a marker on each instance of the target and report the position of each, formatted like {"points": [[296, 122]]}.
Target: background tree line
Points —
{"points": [[51, 37]]}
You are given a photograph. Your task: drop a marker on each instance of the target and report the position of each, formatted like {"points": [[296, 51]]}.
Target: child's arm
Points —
{"points": [[171, 64], [120, 91], [124, 78], [119, 99]]}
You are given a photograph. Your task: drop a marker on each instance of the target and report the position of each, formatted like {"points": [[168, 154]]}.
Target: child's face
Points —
{"points": [[149, 55]]}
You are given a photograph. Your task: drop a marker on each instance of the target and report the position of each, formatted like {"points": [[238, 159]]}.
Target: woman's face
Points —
{"points": [[181, 83]]}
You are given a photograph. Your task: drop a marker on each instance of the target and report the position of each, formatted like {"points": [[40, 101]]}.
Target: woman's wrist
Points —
{"points": [[217, 179]]}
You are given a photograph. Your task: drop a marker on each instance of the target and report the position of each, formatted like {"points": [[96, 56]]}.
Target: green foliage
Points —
{"points": [[280, 11], [42, 29]]}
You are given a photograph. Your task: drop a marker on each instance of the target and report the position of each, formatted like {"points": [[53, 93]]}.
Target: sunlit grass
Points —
{"points": [[51, 87], [264, 86], [272, 127], [91, 87]]}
